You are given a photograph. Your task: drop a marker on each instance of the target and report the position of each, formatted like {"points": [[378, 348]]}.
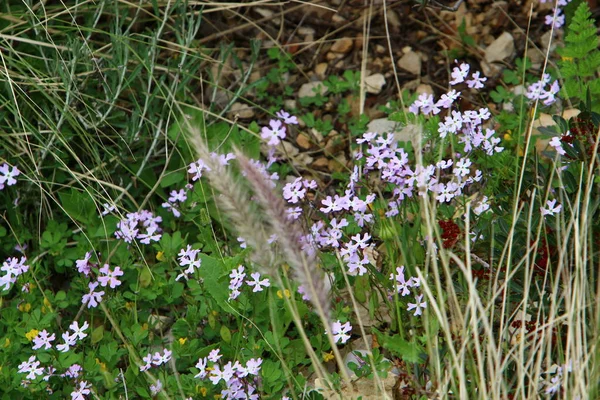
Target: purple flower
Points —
{"points": [[476, 82], [92, 298], [7, 175], [551, 209], [43, 340], [84, 265], [201, 365], [81, 391], [287, 118], [78, 332], [556, 19], [274, 133], [69, 340], [340, 331], [459, 74], [110, 277], [256, 283], [418, 306], [196, 169], [214, 355]]}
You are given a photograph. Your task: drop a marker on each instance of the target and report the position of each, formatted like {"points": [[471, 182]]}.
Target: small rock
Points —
{"points": [[311, 89], [303, 141], [320, 163], [320, 70], [337, 164], [379, 49], [489, 69], [424, 88], [393, 19], [289, 149], [242, 110], [374, 83], [338, 19], [500, 49], [290, 104], [342, 45], [305, 30], [411, 62]]}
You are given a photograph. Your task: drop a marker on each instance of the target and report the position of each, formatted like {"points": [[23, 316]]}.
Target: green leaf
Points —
{"points": [[79, 205], [97, 334], [409, 351], [172, 179], [225, 334]]}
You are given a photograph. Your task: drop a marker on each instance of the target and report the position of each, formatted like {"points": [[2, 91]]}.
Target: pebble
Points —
{"points": [[342, 45], [303, 141], [411, 62], [320, 70], [242, 110], [309, 89], [374, 83], [501, 48]]}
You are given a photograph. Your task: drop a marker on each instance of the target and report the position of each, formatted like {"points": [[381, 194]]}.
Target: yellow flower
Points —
{"points": [[32, 334], [508, 136], [182, 340], [203, 391], [287, 293], [567, 59], [6, 342], [101, 364], [26, 307], [160, 256], [328, 356]]}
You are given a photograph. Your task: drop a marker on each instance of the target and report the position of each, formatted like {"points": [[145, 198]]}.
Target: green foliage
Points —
{"points": [[580, 63]]}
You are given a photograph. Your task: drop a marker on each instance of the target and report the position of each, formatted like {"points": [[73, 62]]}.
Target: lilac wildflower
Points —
{"points": [[287, 118], [43, 339], [81, 391], [92, 298], [557, 145], [196, 169], [552, 208], [201, 365], [84, 265], [31, 367], [110, 277], [256, 283], [274, 133], [418, 306], [340, 331], [7, 175], [459, 74], [214, 355], [156, 388], [69, 340]]}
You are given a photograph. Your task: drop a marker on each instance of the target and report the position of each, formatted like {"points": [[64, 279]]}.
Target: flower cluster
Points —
{"points": [[237, 281], [240, 381], [106, 277], [188, 258], [32, 367], [8, 175], [12, 268], [537, 90], [403, 287], [174, 198], [156, 359], [557, 18], [142, 225]]}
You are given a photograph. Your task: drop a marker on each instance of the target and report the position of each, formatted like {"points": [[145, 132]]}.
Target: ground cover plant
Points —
{"points": [[153, 245]]}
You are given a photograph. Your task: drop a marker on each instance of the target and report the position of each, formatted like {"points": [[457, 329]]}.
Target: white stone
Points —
{"points": [[311, 89], [411, 62], [374, 83], [500, 49]]}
